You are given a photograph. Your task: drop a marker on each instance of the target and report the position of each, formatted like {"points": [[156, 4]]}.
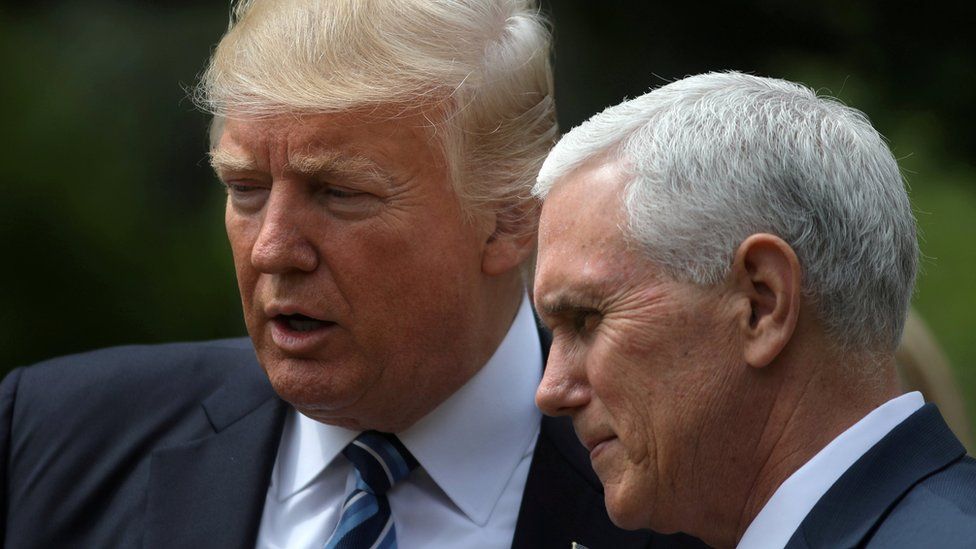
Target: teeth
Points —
{"points": [[303, 325]]}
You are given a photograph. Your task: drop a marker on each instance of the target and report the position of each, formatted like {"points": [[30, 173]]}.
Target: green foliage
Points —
{"points": [[112, 222]]}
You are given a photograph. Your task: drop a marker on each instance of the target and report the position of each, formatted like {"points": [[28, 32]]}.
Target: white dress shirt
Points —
{"points": [[474, 452], [795, 498]]}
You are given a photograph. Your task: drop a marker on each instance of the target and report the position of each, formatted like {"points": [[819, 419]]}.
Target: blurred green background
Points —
{"points": [[112, 223]]}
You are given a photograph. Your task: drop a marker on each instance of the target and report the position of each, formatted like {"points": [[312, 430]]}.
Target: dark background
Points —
{"points": [[111, 222]]}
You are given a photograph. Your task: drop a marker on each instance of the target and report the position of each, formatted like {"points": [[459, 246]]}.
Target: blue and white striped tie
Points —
{"points": [[380, 460]]}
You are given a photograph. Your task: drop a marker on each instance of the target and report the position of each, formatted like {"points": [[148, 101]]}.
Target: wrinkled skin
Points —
{"points": [[350, 219], [642, 363]]}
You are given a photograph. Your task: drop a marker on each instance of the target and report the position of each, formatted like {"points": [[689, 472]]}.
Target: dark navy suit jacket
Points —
{"points": [[173, 446], [915, 488]]}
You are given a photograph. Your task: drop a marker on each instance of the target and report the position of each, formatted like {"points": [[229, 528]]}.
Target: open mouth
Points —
{"points": [[301, 323]]}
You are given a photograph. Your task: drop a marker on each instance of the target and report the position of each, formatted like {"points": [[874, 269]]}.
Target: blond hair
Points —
{"points": [[483, 63]]}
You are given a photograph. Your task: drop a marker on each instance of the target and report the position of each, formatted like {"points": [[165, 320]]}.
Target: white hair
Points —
{"points": [[715, 158], [484, 65]]}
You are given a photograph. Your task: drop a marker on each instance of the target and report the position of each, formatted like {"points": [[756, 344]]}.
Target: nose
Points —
{"points": [[564, 388], [282, 244]]}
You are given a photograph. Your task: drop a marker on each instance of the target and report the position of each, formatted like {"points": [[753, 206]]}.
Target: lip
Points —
{"points": [[292, 341], [278, 309], [596, 446], [296, 342]]}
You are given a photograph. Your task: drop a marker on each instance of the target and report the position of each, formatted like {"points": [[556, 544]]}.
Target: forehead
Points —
{"points": [[377, 134], [581, 239]]}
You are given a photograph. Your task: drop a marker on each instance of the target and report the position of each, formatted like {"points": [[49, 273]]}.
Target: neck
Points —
{"points": [[804, 420], [795, 410]]}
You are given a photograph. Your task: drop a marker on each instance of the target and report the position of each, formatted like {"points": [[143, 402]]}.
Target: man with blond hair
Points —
{"points": [[378, 156], [726, 263]]}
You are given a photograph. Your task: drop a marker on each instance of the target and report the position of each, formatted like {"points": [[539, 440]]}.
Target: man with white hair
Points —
{"points": [[378, 157], [726, 263]]}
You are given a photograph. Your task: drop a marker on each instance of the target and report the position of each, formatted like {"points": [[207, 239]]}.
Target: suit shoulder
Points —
{"points": [[78, 434], [938, 511], [124, 380], [954, 487], [147, 353], [117, 367]]}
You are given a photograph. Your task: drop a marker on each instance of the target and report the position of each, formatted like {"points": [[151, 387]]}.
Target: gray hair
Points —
{"points": [[483, 63], [717, 157]]}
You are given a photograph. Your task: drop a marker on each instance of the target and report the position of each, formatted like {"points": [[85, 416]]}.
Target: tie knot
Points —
{"points": [[380, 459]]}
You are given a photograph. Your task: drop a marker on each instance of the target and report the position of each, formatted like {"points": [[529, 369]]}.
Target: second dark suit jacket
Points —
{"points": [[173, 446], [915, 488]]}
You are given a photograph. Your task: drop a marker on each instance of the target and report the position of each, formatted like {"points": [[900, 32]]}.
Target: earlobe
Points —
{"points": [[502, 253], [508, 244], [767, 272]]}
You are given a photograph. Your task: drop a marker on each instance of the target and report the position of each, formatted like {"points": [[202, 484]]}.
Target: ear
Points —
{"points": [[767, 273], [503, 252]]}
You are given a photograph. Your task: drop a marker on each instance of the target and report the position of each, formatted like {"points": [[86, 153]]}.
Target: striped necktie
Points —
{"points": [[380, 460]]}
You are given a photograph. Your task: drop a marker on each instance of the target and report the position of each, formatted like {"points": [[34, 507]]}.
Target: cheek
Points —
{"points": [[408, 289], [241, 234], [411, 259], [381, 262], [623, 375], [635, 422], [629, 391]]}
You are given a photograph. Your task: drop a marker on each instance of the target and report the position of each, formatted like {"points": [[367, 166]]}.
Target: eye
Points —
{"points": [[338, 192], [238, 188], [246, 194], [585, 321], [348, 203]]}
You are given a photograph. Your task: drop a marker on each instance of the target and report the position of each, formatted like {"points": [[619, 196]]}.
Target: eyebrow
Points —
{"points": [[566, 301], [353, 167], [223, 161]]}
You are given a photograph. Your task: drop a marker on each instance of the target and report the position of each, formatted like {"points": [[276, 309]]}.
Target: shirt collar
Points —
{"points": [[798, 494], [470, 445], [306, 448]]}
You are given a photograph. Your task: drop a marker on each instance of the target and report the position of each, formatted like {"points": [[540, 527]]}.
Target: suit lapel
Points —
{"points": [[210, 492], [852, 508]]}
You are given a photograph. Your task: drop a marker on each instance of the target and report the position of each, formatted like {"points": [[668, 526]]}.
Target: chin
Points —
{"points": [[628, 511], [308, 384], [625, 520]]}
